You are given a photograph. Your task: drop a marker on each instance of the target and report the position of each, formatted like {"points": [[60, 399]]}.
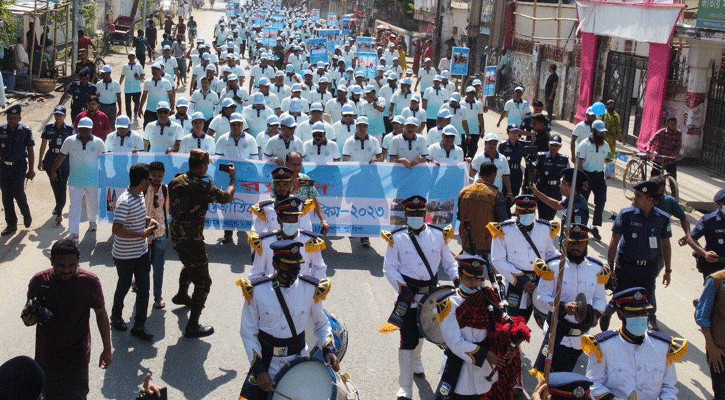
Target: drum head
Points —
{"points": [[305, 379], [428, 314]]}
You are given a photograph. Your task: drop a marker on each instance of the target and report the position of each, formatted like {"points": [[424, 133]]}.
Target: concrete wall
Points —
{"points": [[547, 29], [523, 73], [454, 17]]}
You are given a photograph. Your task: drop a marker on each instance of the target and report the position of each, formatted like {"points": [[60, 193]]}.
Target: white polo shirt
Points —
{"points": [[385, 92], [304, 130], [434, 100], [375, 117], [334, 108], [420, 114], [184, 123], [107, 92], [256, 119], [278, 148], [169, 64], [313, 96], [206, 103], [409, 149], [401, 101], [361, 151], [272, 101], [130, 83], [243, 147], [190, 142], [323, 154], [516, 111], [83, 160], [593, 157], [157, 91], [280, 91], [341, 132], [122, 145], [284, 106], [426, 78], [582, 131], [436, 152], [258, 72], [240, 92], [220, 125], [471, 111], [500, 162], [262, 140], [162, 138]]}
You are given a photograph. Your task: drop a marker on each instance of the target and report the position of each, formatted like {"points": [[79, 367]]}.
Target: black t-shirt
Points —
{"points": [[553, 78]]}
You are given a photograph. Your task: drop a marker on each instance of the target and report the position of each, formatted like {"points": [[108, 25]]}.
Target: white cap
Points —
{"points": [[369, 88], [470, 89], [415, 97], [85, 122], [288, 121], [163, 105], [211, 67], [437, 78], [264, 81], [455, 97], [490, 137], [316, 106], [232, 77], [363, 120], [412, 121], [393, 76], [295, 105], [445, 74], [182, 103], [197, 115], [106, 69], [257, 98], [519, 89], [406, 81], [236, 117], [357, 90], [227, 103], [122, 121], [318, 127], [476, 82], [341, 88], [323, 80], [450, 130], [296, 87], [348, 110], [443, 113], [273, 120], [398, 119]]}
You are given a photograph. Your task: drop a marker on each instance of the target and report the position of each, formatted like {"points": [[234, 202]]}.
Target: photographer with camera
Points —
{"points": [[59, 302]]}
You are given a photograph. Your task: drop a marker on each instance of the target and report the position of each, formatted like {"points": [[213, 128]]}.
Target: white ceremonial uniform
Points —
{"points": [[472, 379], [438, 153], [278, 147], [190, 142], [123, 144], [161, 138], [578, 278], [256, 119], [341, 132], [265, 218], [361, 151], [325, 153], [242, 147], [263, 312], [625, 367], [409, 149], [311, 252]]}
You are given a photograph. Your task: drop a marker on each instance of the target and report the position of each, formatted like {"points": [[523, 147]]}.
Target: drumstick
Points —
{"points": [[281, 394]]}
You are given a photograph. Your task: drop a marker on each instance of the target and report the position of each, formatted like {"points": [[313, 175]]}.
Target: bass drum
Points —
{"points": [[339, 336], [308, 378], [428, 314], [541, 311]]}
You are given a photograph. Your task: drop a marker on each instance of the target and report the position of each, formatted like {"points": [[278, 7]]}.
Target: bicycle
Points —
{"points": [[635, 171], [500, 99]]}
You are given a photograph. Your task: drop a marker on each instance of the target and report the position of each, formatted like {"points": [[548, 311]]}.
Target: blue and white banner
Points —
{"points": [[332, 36], [346, 24], [459, 61], [356, 199], [318, 50]]}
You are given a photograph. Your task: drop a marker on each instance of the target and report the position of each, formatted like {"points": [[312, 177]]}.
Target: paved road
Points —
{"points": [[214, 367]]}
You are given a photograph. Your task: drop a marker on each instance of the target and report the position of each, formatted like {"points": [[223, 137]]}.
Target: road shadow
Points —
{"points": [[425, 390], [125, 375], [359, 258], [695, 356], [47, 234], [184, 369], [237, 255], [12, 246]]}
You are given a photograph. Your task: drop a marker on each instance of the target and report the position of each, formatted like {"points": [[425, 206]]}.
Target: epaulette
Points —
{"points": [[603, 274], [268, 234], [258, 209], [444, 308], [496, 230], [508, 222], [678, 346], [388, 235], [309, 206], [248, 285], [315, 245], [323, 286], [542, 270], [255, 242], [590, 344], [554, 228], [448, 231]]}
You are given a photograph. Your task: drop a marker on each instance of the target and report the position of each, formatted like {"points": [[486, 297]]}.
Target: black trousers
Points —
{"points": [[136, 98], [517, 178], [149, 117], [630, 275], [60, 187], [140, 268], [546, 212], [470, 145], [430, 124], [598, 185], [111, 111], [564, 360], [718, 383], [549, 107], [409, 333], [513, 296], [12, 185]]}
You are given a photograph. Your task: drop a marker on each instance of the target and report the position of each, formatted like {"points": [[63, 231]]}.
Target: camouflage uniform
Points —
{"points": [[189, 199]]}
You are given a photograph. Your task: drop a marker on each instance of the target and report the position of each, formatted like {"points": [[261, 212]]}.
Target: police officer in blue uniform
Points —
{"points": [[79, 91], [54, 134], [712, 226], [513, 150], [17, 164], [640, 235], [580, 208], [549, 166]]}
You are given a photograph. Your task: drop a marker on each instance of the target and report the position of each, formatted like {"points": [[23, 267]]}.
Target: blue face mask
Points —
{"points": [[527, 219], [637, 326], [466, 290]]}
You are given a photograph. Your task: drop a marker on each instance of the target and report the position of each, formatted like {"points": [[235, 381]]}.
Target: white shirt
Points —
{"points": [[220, 125], [323, 154], [436, 152], [409, 149], [262, 265], [190, 142], [471, 112], [434, 100], [262, 140], [157, 91], [500, 162], [169, 64], [285, 104], [160, 139], [420, 114], [376, 127], [205, 103], [593, 157], [258, 72], [256, 119], [386, 92], [516, 111], [185, 123], [122, 145], [581, 131], [401, 101], [334, 108], [426, 78], [341, 132], [130, 84], [272, 101], [361, 151], [83, 160], [314, 96], [240, 93], [108, 92], [457, 118], [280, 91], [513, 255], [243, 147], [304, 130], [277, 147]]}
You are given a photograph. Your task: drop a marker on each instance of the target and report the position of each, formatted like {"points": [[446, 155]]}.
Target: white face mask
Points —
{"points": [[416, 222], [290, 228], [527, 219]]}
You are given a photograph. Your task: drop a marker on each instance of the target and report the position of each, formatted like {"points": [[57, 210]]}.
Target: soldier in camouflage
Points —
{"points": [[190, 195]]}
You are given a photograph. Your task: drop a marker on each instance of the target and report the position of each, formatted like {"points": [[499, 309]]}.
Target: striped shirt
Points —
{"points": [[130, 212]]}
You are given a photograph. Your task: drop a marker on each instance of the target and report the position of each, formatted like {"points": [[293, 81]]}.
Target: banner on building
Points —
{"points": [[318, 50], [368, 63], [489, 81], [332, 36], [459, 61], [356, 199]]}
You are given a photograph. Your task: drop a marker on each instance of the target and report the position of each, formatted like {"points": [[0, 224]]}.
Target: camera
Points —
{"points": [[224, 167], [35, 307]]}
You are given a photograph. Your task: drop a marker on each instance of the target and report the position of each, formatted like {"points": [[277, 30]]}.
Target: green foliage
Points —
{"points": [[9, 23], [89, 18]]}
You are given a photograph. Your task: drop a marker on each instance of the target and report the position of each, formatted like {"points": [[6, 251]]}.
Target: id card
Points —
{"points": [[653, 242]]}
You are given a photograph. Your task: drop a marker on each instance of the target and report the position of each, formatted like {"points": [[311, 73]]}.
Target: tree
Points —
{"points": [[8, 24]]}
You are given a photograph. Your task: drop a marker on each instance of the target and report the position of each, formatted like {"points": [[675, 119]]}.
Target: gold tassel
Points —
{"points": [[537, 374], [443, 314], [543, 270], [677, 351], [388, 237], [323, 288], [494, 228], [388, 328], [589, 346]]}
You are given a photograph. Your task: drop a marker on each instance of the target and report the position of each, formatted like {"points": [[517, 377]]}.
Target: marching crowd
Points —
{"points": [[291, 111]]}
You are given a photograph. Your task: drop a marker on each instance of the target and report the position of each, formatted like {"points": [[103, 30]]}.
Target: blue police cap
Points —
{"points": [[59, 110], [632, 299], [720, 196], [287, 251], [84, 72], [568, 385], [14, 110], [647, 187]]}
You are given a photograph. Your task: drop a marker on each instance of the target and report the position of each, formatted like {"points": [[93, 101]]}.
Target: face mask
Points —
{"points": [[637, 326], [466, 290], [290, 228], [416, 223], [288, 277], [527, 219]]}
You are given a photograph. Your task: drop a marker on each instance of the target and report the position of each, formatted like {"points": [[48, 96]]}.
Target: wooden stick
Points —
{"points": [[277, 392], [559, 282]]}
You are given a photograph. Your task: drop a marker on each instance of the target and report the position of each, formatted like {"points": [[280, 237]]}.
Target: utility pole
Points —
{"points": [[474, 22], [437, 32], [143, 15], [74, 24]]}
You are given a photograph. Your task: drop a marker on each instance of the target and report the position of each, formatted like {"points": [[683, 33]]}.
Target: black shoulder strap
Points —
{"points": [[528, 239], [285, 310], [422, 256]]}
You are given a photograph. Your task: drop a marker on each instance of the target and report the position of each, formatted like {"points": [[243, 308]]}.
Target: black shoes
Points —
{"points": [[197, 330], [27, 221], [118, 325], [141, 333], [595, 234], [181, 299], [8, 230]]}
